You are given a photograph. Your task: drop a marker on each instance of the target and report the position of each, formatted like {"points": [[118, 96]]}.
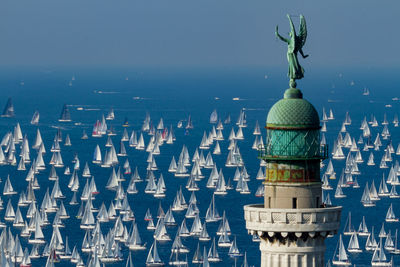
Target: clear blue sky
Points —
{"points": [[195, 32]]}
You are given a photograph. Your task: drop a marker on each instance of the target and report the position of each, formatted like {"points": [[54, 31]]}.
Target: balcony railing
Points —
{"points": [[259, 218], [265, 153]]}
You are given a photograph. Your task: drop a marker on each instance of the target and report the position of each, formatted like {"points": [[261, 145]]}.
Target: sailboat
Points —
{"points": [[96, 132], [340, 256], [160, 233], [379, 256], [363, 229], [395, 249], [110, 115], [140, 145], [214, 116], [224, 240], [204, 236], [134, 241], [242, 122], [220, 188], [8, 188], [337, 151], [181, 170], [160, 190], [354, 246], [348, 228], [183, 230], [365, 198], [257, 130], [373, 192], [38, 236], [88, 221], [212, 214], [153, 259], [371, 159], [8, 109], [189, 124], [178, 258], [198, 256], [260, 191], [35, 118], [331, 117], [213, 255], [390, 216], [347, 120], [179, 203], [26, 260], [197, 227], [325, 182], [371, 243], [324, 116], [204, 142], [10, 213], [66, 254], [65, 114], [67, 141], [389, 243], [234, 250], [38, 140], [339, 192], [227, 119]]}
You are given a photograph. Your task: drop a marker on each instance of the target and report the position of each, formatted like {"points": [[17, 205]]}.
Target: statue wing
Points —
{"points": [[303, 30], [291, 25]]}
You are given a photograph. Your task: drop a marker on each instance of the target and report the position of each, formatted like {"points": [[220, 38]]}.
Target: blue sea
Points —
{"points": [[173, 94]]}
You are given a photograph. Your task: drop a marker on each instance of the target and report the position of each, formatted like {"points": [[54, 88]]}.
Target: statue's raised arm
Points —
{"points": [[279, 36], [295, 45]]}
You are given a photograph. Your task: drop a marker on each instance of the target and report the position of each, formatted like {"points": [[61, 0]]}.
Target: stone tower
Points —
{"points": [[293, 222]]}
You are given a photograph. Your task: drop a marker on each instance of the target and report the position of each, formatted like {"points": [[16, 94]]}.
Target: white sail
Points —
{"points": [[365, 198], [212, 214], [214, 116], [213, 255], [153, 259], [363, 229], [390, 216], [354, 246], [340, 256], [140, 145], [379, 256]]}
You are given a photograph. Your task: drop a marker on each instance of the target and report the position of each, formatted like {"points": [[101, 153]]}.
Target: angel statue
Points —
{"points": [[295, 44]]}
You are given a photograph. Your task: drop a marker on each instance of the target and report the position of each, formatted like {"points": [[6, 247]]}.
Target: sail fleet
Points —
{"points": [[59, 213], [141, 193], [363, 164]]}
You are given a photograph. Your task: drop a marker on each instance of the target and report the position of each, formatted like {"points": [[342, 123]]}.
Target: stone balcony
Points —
{"points": [[261, 220]]}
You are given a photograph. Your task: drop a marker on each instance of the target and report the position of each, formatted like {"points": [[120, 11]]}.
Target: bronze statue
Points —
{"points": [[295, 44]]}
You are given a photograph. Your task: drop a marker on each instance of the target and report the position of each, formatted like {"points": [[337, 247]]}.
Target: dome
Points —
{"points": [[293, 112]]}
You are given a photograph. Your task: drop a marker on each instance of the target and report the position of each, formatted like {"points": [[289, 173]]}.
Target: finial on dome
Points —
{"points": [[292, 83], [293, 93]]}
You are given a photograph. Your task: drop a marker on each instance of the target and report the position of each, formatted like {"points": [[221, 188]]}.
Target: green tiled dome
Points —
{"points": [[293, 111]]}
